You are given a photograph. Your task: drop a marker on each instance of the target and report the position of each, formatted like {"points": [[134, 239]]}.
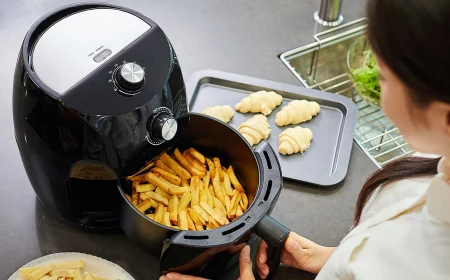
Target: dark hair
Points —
{"points": [[409, 36]]}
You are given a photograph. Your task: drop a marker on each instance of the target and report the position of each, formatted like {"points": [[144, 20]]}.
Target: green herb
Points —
{"points": [[367, 78]]}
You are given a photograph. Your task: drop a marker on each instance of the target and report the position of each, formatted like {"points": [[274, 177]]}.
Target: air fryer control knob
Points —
{"points": [[164, 127], [130, 77]]}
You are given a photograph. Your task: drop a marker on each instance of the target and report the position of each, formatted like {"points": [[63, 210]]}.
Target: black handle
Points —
{"points": [[274, 234]]}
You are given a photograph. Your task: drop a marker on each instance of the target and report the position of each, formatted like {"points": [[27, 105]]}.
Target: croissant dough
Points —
{"points": [[297, 111], [294, 140], [260, 102], [255, 129], [223, 113]]}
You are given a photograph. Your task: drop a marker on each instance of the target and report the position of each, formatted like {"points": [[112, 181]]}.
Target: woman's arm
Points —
{"points": [[298, 252]]}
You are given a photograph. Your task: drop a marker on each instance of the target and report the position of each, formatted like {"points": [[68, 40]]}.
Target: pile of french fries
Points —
{"points": [[71, 270], [188, 191]]}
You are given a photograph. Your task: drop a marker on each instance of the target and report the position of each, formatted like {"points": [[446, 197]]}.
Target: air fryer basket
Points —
{"points": [[260, 174]]}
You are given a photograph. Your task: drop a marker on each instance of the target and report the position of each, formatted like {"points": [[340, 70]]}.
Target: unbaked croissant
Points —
{"points": [[260, 102], [297, 111], [255, 129], [294, 140], [223, 113]]}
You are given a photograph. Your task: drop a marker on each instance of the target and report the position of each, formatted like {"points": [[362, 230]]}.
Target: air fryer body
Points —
{"points": [[76, 137]]}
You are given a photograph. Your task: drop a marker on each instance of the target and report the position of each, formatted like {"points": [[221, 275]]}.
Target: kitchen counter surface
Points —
{"points": [[243, 37]]}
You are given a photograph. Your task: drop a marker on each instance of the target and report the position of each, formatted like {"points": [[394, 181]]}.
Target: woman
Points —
{"points": [[402, 220]]}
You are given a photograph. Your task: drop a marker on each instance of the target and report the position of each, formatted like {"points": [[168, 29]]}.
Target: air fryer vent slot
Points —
{"points": [[195, 237], [266, 155], [241, 225], [269, 188]]}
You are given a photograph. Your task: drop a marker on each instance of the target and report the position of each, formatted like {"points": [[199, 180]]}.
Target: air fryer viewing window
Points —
{"points": [[75, 46]]}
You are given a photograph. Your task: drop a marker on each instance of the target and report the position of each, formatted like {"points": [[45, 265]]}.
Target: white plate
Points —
{"points": [[92, 264]]}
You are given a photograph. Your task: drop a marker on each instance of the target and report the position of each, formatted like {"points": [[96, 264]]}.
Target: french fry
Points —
{"points": [[134, 197], [218, 204], [68, 265], [203, 196], [210, 199], [173, 209], [174, 179], [211, 168], [41, 271], [159, 182], [239, 212], [145, 188], [172, 164], [179, 190], [218, 168], [227, 184], [218, 191], [144, 206], [197, 155], [194, 190], [159, 213], [199, 210], [182, 219], [213, 223], [176, 227], [96, 277], [161, 165], [162, 192], [194, 162], [197, 218], [63, 272], [150, 216], [184, 183], [129, 198], [144, 196], [166, 219], [220, 220], [77, 275], [211, 190], [184, 201], [234, 179], [158, 198], [191, 225], [244, 201], [235, 203], [222, 215], [24, 271], [187, 165], [88, 277], [206, 179], [200, 185], [228, 205], [139, 178]]}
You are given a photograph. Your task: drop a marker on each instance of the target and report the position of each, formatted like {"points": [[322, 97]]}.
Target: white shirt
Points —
{"points": [[404, 233]]}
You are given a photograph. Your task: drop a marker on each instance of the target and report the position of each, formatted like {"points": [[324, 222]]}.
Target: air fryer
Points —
{"points": [[97, 90]]}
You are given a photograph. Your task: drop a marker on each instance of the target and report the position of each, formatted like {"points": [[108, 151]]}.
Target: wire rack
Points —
{"points": [[322, 65]]}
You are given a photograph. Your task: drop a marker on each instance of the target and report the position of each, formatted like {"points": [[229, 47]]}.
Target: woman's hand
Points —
{"points": [[245, 269], [298, 252]]}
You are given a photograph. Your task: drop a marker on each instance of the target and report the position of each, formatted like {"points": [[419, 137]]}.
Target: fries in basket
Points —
{"points": [[188, 191]]}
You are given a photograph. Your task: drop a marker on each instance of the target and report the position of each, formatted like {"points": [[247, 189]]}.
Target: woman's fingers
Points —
{"points": [[245, 265], [261, 258]]}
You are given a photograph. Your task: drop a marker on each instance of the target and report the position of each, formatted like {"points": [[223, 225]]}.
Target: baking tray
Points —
{"points": [[326, 161]]}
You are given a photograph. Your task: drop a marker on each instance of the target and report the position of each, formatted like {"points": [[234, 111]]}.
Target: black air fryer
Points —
{"points": [[98, 92]]}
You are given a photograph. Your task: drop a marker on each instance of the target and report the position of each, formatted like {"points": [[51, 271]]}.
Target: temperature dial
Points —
{"points": [[163, 127], [130, 77]]}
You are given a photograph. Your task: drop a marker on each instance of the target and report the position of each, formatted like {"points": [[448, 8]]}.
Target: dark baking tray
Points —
{"points": [[326, 161]]}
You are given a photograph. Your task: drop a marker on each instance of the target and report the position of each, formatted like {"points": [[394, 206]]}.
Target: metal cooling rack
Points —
{"points": [[322, 65]]}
